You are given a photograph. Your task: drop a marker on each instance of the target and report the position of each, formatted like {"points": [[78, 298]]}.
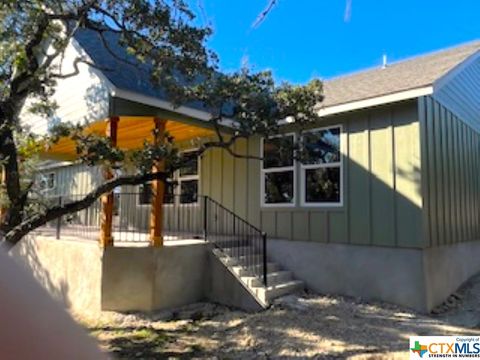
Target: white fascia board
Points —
{"points": [[55, 165], [379, 100]]}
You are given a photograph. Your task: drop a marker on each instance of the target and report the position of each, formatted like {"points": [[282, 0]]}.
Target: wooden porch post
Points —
{"points": [[158, 190], [106, 238]]}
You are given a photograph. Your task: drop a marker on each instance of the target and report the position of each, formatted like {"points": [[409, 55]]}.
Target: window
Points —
{"points": [[47, 182], [321, 176], [187, 178], [145, 194], [278, 171], [188, 191], [184, 185]]}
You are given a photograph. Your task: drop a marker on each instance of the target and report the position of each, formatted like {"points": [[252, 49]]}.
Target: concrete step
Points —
{"points": [[240, 270], [279, 282], [273, 278], [251, 259], [239, 251], [266, 295], [234, 243]]}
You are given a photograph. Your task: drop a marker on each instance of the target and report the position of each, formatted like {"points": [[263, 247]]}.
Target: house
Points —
{"points": [[390, 213]]}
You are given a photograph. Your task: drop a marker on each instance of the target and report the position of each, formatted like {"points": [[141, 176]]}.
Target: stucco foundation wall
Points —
{"points": [[447, 267], [88, 279], [153, 278], [69, 270], [180, 275], [374, 273]]}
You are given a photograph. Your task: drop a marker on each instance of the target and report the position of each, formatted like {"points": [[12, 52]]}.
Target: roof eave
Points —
{"points": [[376, 101], [159, 103]]}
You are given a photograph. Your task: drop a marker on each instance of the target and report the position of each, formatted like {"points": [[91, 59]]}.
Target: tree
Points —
{"points": [[161, 33]]}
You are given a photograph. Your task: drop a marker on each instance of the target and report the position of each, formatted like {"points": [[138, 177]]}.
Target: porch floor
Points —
{"points": [[121, 238]]}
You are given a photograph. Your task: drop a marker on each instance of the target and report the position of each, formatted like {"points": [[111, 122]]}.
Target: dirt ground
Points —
{"points": [[296, 327]]}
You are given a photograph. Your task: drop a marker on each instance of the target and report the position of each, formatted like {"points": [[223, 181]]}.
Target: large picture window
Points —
{"points": [[278, 171], [321, 169], [185, 190]]}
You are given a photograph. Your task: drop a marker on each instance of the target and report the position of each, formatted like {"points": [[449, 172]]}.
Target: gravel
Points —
{"points": [[306, 326]]}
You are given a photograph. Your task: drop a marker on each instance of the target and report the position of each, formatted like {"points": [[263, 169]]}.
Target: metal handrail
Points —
{"points": [[205, 218], [243, 241]]}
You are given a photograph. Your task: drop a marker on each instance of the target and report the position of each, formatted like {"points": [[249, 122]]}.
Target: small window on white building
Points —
{"points": [[321, 176], [47, 182], [278, 171]]}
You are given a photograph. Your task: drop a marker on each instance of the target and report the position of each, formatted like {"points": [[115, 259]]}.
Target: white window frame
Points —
{"points": [[45, 177], [178, 179], [304, 167], [263, 172]]}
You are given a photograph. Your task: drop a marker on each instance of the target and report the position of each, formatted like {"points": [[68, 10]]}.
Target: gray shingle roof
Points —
{"points": [[404, 75], [409, 74], [120, 73]]}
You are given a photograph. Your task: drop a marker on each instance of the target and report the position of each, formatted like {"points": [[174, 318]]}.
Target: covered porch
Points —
{"points": [[115, 219]]}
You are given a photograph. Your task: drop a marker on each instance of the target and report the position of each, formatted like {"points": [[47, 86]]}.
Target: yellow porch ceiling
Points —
{"points": [[132, 132]]}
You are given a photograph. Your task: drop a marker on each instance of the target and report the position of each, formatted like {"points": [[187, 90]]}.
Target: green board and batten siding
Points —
{"points": [[391, 154], [381, 174], [450, 173]]}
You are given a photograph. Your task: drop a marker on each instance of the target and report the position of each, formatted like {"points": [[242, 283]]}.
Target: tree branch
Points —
{"points": [[111, 52], [227, 145], [263, 15], [76, 69]]}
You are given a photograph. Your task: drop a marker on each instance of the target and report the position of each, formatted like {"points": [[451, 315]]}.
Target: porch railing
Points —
{"points": [[184, 218]]}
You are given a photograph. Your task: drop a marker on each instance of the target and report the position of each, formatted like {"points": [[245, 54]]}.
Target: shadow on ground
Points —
{"points": [[310, 326]]}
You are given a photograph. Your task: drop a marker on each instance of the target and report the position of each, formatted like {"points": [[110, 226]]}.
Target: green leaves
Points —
{"points": [[300, 101], [159, 36], [255, 104], [144, 158], [93, 150]]}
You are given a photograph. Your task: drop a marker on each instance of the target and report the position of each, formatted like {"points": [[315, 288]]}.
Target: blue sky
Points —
{"points": [[302, 39]]}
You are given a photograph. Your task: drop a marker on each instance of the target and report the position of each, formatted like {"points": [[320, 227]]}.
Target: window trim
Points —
{"points": [[45, 176], [263, 171], [150, 203], [339, 164], [178, 179], [139, 193]]}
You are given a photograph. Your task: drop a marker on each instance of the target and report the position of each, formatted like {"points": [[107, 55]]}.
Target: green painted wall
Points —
{"points": [[392, 155], [381, 184], [450, 173]]}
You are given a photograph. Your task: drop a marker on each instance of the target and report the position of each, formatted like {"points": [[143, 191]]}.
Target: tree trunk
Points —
{"points": [[9, 158]]}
